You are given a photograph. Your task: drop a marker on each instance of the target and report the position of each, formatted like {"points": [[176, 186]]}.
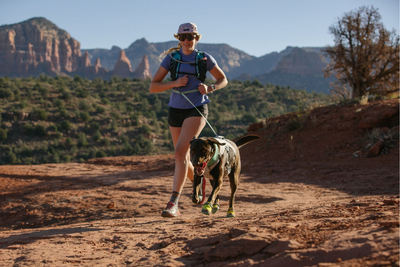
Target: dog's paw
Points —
{"points": [[207, 208], [231, 213], [215, 208]]}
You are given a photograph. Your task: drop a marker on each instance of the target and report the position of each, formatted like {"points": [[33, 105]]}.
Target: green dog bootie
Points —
{"points": [[207, 209], [215, 208], [231, 213]]}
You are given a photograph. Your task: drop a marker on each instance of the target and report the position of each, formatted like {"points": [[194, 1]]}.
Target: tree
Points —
{"points": [[365, 57]]}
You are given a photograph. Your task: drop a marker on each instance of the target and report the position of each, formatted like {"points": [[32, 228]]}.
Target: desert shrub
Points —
{"points": [[105, 141], [40, 130], [82, 141], [101, 154], [29, 129], [83, 105], [65, 125], [100, 109], [52, 128], [114, 125], [44, 92], [82, 93], [97, 135], [146, 129], [10, 158], [42, 114], [94, 125], [3, 135], [105, 101], [248, 118], [297, 122], [84, 116], [6, 93]]}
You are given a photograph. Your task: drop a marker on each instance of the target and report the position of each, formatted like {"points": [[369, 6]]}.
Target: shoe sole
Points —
{"points": [[170, 215]]}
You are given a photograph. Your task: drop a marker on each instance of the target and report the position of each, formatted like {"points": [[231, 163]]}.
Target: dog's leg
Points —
{"points": [[207, 208], [234, 181], [196, 188], [215, 206]]}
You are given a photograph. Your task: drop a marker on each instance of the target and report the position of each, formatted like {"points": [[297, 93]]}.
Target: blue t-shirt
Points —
{"points": [[177, 100]]}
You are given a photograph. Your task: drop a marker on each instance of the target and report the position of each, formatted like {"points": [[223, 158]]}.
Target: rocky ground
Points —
{"points": [[312, 193]]}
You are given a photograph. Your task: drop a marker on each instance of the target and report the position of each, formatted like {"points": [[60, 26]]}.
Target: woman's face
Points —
{"points": [[188, 46]]}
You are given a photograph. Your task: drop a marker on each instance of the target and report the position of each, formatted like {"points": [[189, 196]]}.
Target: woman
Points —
{"points": [[185, 121]]}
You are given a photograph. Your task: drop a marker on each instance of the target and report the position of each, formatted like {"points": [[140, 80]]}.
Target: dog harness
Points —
{"points": [[227, 151]]}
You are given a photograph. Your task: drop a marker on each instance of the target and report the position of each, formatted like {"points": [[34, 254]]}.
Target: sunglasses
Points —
{"points": [[189, 37]]}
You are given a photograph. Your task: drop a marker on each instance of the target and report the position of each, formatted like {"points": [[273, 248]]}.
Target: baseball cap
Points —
{"points": [[187, 28]]}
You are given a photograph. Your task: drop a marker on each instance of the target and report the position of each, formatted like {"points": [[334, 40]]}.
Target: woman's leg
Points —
{"points": [[181, 137], [191, 127]]}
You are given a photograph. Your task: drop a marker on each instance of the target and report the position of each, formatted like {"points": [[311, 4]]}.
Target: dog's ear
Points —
{"points": [[214, 141]]}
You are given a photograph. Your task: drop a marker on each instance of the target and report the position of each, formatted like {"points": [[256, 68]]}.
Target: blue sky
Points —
{"points": [[257, 27]]}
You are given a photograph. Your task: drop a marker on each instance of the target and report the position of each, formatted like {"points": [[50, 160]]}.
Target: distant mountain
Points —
{"points": [[38, 46]]}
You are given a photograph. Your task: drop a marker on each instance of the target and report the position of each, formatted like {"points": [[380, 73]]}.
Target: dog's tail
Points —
{"points": [[246, 139]]}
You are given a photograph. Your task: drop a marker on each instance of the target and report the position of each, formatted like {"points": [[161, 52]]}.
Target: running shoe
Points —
{"points": [[171, 210]]}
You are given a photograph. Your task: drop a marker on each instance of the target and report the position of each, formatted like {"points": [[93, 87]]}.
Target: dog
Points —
{"points": [[214, 158]]}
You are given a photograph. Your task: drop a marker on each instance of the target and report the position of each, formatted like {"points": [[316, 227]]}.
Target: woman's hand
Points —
{"points": [[204, 89], [182, 81]]}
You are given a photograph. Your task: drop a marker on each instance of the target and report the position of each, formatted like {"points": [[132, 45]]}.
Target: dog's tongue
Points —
{"points": [[204, 165]]}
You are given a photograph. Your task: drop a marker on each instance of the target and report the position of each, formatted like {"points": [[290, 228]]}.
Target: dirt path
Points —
{"points": [[299, 203]]}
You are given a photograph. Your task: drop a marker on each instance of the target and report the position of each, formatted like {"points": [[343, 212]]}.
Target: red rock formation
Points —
{"points": [[143, 70], [123, 66], [36, 46]]}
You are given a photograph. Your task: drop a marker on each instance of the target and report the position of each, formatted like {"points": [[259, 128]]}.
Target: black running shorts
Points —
{"points": [[176, 116]]}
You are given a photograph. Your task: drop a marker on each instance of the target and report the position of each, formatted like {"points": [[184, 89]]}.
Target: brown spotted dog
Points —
{"points": [[214, 158]]}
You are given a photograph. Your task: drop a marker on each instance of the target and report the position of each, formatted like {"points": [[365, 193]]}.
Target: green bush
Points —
{"points": [[5, 93], [84, 116], [65, 125], [100, 109], [3, 135], [42, 114], [40, 130], [97, 135], [101, 154], [10, 158], [82, 141]]}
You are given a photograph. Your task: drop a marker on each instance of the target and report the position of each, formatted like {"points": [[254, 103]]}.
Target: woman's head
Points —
{"points": [[187, 31], [187, 35]]}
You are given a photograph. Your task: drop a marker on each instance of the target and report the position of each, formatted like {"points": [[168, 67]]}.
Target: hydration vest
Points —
{"points": [[200, 64]]}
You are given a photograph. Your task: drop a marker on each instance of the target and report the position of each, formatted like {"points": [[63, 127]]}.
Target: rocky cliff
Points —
{"points": [[38, 46]]}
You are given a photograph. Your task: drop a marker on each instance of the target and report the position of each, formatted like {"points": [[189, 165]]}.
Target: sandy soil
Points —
{"points": [[307, 197]]}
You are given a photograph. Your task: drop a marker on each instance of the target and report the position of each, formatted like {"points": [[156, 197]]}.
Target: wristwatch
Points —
{"points": [[213, 87]]}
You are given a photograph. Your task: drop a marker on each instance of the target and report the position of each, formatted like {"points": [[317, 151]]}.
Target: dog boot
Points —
{"points": [[231, 213], [171, 210], [215, 208], [207, 209]]}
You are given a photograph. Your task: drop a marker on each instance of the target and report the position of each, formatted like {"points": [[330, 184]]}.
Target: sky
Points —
{"points": [[257, 27]]}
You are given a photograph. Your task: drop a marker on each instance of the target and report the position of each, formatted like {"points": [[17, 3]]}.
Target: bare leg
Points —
{"points": [[181, 137]]}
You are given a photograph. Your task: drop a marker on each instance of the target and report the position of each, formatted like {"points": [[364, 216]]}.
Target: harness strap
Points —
{"points": [[214, 158], [184, 95]]}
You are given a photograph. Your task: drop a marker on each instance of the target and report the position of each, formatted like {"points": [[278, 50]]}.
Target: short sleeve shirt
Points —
{"points": [[179, 101]]}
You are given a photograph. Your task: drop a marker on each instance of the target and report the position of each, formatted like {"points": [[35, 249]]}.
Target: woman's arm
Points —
{"points": [[157, 86], [220, 82]]}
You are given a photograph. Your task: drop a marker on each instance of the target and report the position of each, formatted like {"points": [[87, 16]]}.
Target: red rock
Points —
{"points": [[123, 66], [143, 70], [375, 149]]}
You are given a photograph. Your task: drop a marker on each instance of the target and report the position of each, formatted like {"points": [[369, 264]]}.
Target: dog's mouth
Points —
{"points": [[200, 169]]}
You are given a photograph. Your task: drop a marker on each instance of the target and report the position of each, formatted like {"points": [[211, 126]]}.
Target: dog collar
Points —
{"points": [[215, 156]]}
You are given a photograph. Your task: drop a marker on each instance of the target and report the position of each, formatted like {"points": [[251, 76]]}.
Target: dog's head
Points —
{"points": [[201, 151]]}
